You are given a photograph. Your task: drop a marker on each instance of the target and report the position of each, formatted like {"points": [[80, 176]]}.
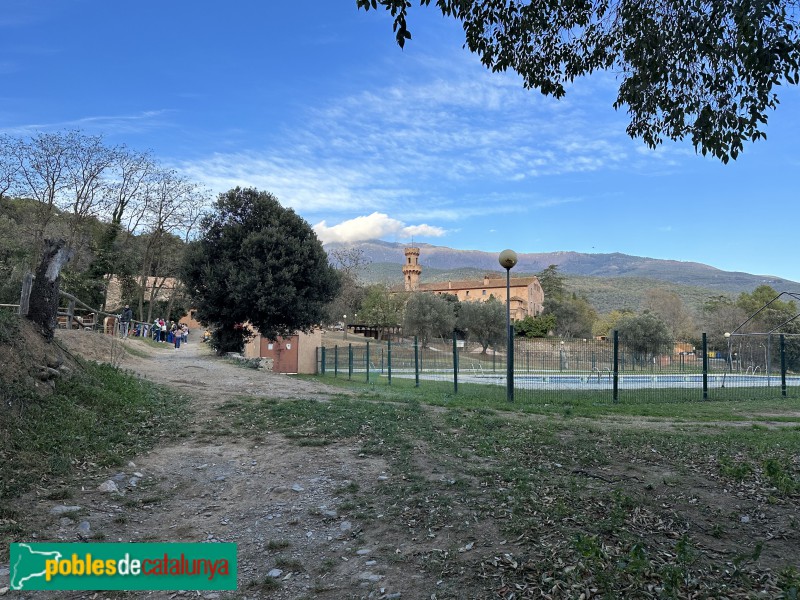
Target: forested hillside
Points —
{"points": [[438, 259]]}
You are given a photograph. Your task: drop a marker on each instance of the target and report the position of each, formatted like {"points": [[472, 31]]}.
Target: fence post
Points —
{"points": [[705, 367], [335, 360], [322, 359], [783, 366], [389, 360], [70, 314], [455, 364], [510, 369], [349, 361], [381, 361], [25, 294], [416, 362], [615, 384], [367, 361]]}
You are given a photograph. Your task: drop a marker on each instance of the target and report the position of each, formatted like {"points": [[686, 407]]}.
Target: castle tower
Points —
{"points": [[411, 269]]}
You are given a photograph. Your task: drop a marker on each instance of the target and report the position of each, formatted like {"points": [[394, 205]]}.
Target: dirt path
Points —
{"points": [[277, 501]]}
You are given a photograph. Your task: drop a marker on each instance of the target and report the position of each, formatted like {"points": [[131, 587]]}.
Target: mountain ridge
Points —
{"points": [[610, 265]]}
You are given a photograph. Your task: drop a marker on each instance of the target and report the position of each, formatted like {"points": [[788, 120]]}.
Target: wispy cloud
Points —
{"points": [[102, 124], [409, 147]]}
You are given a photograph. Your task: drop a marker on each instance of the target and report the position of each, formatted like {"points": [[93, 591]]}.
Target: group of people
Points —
{"points": [[169, 332], [160, 330]]}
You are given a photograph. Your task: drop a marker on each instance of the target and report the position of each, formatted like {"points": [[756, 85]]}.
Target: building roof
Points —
{"points": [[471, 284]]}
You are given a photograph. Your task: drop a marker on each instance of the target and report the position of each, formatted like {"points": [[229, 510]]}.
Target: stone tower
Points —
{"points": [[411, 269]]}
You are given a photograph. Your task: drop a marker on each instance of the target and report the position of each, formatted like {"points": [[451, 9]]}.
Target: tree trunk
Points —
{"points": [[43, 308]]}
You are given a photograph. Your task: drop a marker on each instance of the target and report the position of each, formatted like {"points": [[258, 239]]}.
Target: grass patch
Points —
{"points": [[100, 416], [540, 473]]}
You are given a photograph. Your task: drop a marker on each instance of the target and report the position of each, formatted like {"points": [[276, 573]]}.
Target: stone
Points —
{"points": [[84, 528], [108, 487], [345, 525], [275, 573], [297, 488], [63, 510]]}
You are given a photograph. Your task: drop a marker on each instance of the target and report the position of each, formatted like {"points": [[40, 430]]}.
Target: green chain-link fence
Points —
{"points": [[561, 370]]}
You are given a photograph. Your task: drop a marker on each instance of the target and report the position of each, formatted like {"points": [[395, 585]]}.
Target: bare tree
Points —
{"points": [[173, 208], [126, 199], [41, 164], [349, 261], [669, 307], [9, 166], [88, 162]]}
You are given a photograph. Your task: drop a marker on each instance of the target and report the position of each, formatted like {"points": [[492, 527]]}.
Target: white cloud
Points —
{"points": [[371, 227]]}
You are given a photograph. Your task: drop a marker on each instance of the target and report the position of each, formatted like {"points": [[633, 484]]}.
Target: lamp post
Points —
{"points": [[344, 329], [730, 357], [507, 260]]}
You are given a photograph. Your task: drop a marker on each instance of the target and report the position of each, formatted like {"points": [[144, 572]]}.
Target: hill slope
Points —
{"points": [[610, 281]]}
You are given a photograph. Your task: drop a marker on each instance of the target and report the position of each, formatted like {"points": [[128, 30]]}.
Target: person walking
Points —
{"points": [[125, 321]]}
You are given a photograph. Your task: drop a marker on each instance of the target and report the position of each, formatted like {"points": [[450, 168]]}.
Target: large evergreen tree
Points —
{"points": [[257, 262]]}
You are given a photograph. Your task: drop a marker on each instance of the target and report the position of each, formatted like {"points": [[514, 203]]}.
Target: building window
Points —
{"points": [[467, 292], [484, 292]]}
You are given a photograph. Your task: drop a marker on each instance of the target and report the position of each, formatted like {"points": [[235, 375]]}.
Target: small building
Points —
{"points": [[293, 354]]}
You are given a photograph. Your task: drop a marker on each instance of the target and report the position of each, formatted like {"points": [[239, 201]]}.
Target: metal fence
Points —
{"points": [[565, 370]]}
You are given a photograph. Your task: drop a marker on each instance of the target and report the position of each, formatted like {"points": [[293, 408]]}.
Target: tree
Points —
{"points": [[605, 324], [484, 322], [349, 261], [771, 312], [382, 308], [9, 168], [645, 335], [171, 211], [574, 316], [257, 262], [552, 282], [41, 166], [702, 70], [536, 327], [669, 307], [721, 315], [428, 316]]}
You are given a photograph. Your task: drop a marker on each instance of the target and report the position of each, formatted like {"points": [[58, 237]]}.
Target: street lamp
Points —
{"points": [[344, 329], [507, 260], [730, 357]]}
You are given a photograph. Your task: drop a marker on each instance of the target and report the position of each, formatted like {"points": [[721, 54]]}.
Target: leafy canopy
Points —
{"points": [[484, 322], [702, 69], [257, 261], [429, 316]]}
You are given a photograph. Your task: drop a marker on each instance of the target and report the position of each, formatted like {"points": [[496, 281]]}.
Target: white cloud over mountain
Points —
{"points": [[375, 226]]}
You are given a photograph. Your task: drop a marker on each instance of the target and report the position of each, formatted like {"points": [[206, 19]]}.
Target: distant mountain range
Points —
{"points": [[610, 281]]}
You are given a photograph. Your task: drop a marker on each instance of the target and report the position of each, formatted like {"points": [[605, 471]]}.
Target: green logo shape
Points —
{"points": [[43, 566]]}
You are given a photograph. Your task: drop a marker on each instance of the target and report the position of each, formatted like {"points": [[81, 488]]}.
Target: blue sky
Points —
{"points": [[313, 101]]}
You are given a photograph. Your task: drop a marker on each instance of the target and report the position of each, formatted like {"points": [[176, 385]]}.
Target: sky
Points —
{"points": [[313, 101]]}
